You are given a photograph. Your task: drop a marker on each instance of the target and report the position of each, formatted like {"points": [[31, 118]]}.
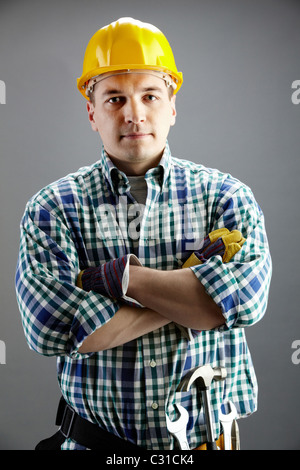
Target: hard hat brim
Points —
{"points": [[84, 79]]}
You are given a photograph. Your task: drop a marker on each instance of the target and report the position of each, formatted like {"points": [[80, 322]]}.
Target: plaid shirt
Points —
{"points": [[80, 221]]}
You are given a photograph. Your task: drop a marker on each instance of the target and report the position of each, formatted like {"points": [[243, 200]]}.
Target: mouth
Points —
{"points": [[135, 136]]}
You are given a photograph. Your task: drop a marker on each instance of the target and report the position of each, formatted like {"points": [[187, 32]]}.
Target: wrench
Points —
{"points": [[178, 427], [203, 377], [226, 421]]}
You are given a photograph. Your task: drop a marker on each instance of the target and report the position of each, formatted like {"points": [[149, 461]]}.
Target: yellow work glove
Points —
{"points": [[220, 242]]}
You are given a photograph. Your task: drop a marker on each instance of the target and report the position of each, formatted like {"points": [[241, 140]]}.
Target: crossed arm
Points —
{"points": [[168, 296]]}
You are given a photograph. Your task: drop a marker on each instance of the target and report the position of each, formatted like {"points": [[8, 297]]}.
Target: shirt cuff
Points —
{"points": [[220, 284], [132, 259]]}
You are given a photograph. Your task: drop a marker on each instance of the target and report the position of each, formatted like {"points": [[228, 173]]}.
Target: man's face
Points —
{"points": [[133, 114]]}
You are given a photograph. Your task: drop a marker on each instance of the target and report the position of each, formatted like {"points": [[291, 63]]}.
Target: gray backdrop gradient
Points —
{"points": [[239, 59]]}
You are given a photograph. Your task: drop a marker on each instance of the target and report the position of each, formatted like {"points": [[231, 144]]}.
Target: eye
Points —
{"points": [[114, 100], [150, 98]]}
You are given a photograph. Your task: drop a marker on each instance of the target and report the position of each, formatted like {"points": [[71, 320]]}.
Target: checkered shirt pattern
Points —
{"points": [[81, 221]]}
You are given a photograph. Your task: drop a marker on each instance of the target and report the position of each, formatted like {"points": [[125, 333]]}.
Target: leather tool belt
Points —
{"points": [[90, 435]]}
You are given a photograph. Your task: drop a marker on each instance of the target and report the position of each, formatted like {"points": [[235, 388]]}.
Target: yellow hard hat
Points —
{"points": [[128, 45]]}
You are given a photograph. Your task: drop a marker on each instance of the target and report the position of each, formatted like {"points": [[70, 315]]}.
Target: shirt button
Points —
{"points": [[152, 363], [154, 406]]}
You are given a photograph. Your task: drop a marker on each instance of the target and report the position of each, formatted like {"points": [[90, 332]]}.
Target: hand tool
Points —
{"points": [[227, 421], [235, 436], [178, 427], [203, 376]]}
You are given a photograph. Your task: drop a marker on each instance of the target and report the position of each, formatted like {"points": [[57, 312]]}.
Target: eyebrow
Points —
{"points": [[116, 91], [151, 88], [111, 92]]}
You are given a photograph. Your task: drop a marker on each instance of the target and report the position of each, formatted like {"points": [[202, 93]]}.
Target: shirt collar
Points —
{"points": [[112, 174], [117, 178]]}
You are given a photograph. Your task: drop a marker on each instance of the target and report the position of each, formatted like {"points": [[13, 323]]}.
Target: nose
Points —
{"points": [[134, 112]]}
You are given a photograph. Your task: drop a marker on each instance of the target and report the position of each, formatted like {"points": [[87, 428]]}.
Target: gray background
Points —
{"points": [[239, 59]]}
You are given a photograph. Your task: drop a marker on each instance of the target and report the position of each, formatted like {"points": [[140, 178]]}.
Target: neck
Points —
{"points": [[136, 168]]}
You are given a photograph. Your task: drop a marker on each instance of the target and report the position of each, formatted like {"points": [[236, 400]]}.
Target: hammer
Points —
{"points": [[203, 376]]}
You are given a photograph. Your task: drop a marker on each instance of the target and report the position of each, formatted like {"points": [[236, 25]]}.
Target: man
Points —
{"points": [[139, 268]]}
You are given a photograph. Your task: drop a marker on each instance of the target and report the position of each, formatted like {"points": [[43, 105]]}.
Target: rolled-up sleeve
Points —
{"points": [[241, 286], [56, 314]]}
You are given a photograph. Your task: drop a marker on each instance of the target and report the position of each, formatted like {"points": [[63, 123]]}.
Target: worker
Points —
{"points": [[138, 268]]}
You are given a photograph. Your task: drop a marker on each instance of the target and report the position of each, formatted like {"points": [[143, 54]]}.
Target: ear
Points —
{"points": [[91, 114], [173, 110]]}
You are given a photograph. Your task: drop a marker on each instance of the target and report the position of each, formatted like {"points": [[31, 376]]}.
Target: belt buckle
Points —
{"points": [[67, 433]]}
